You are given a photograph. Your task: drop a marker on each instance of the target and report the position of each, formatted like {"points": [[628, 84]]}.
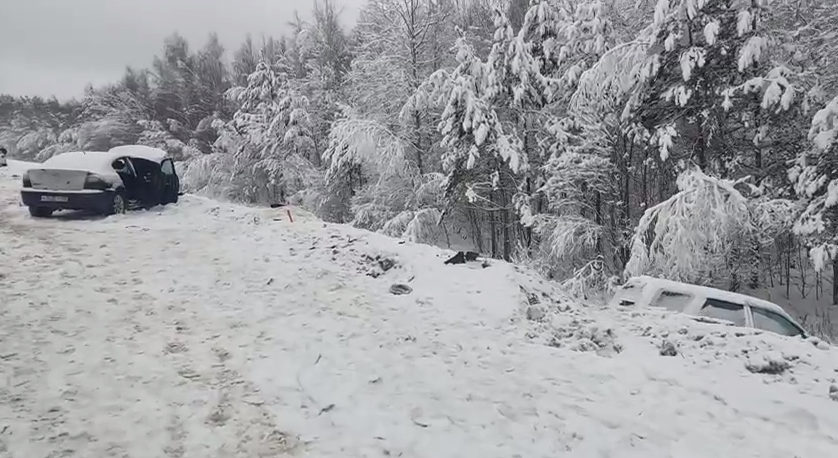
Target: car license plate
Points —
{"points": [[53, 199]]}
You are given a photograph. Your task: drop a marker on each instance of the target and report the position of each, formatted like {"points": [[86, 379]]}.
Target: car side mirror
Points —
{"points": [[118, 164]]}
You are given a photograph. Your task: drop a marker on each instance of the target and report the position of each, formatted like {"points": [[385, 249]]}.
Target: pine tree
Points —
{"points": [[815, 176], [274, 129], [706, 80]]}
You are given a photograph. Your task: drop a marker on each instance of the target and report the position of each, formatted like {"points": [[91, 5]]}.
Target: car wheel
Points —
{"points": [[40, 212], [118, 205]]}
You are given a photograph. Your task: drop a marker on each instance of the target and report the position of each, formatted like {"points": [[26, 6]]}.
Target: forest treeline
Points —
{"points": [[590, 139]]}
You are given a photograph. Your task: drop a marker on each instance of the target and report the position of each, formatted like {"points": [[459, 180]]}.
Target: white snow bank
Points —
{"points": [[16, 167], [206, 329], [10, 185]]}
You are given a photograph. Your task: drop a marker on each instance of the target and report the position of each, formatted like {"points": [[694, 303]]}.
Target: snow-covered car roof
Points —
{"points": [[91, 161], [100, 161], [140, 152], [714, 293]]}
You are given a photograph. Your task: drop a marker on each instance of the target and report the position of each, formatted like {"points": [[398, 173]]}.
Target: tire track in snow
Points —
{"points": [[135, 320]]}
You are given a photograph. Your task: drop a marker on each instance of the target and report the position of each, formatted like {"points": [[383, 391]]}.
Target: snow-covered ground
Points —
{"points": [[206, 329]]}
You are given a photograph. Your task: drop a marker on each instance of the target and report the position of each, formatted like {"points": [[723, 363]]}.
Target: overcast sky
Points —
{"points": [[56, 47]]}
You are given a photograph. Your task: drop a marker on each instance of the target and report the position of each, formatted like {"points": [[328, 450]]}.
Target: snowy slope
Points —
{"points": [[213, 330]]}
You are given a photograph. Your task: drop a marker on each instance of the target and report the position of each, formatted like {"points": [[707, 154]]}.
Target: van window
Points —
{"points": [[723, 310], [672, 300], [770, 321]]}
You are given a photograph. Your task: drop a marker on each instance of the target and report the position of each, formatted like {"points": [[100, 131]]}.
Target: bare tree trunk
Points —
{"points": [[625, 252], [447, 237], [818, 286], [493, 226], [645, 183], [788, 269], [494, 234], [734, 281], [756, 263], [598, 219], [835, 281], [801, 271], [702, 148], [527, 232], [507, 242], [477, 231], [417, 126]]}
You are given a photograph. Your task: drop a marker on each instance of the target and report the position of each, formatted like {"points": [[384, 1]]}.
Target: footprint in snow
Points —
{"points": [[175, 347], [221, 353]]}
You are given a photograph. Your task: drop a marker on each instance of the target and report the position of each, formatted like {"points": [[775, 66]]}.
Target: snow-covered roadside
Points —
{"points": [[15, 167], [209, 329]]}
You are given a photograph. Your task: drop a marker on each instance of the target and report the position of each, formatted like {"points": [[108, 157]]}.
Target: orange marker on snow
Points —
{"points": [[289, 215]]}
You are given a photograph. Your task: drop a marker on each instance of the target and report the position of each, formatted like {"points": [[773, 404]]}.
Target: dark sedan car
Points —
{"points": [[103, 182]]}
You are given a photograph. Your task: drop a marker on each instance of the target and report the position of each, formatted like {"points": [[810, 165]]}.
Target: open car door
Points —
{"points": [[171, 182]]}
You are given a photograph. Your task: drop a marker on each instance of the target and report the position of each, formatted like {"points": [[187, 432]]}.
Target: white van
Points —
{"points": [[739, 309]]}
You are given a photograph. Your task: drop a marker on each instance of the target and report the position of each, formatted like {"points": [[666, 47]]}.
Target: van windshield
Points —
{"points": [[672, 300], [629, 293], [770, 321]]}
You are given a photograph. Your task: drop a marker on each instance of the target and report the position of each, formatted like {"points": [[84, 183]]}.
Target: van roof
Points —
{"points": [[713, 293]]}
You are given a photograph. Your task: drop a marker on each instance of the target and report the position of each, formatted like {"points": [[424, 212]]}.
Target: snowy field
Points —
{"points": [[207, 329]]}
